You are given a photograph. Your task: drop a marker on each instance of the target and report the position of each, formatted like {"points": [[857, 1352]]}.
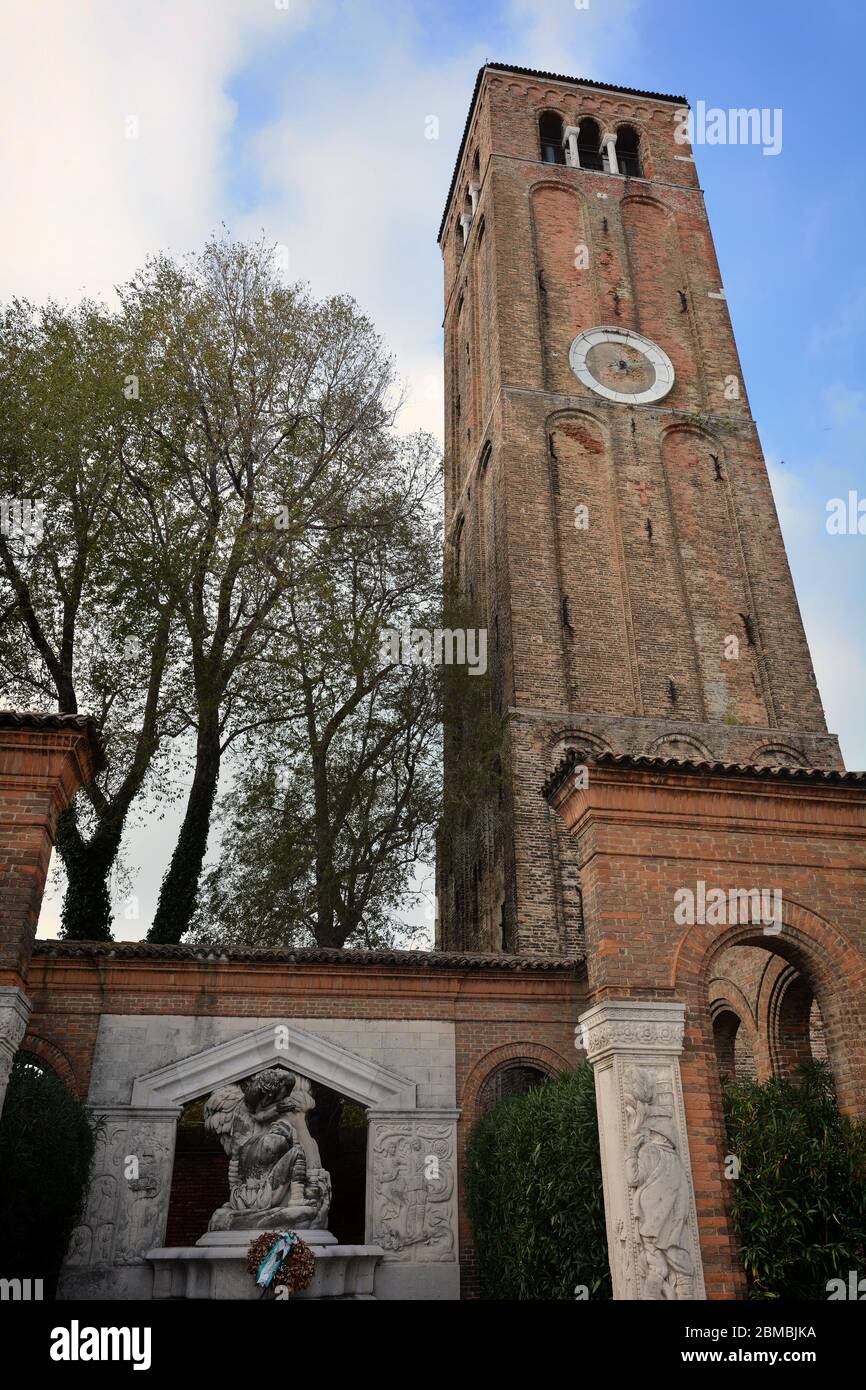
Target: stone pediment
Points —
{"points": [[278, 1045]]}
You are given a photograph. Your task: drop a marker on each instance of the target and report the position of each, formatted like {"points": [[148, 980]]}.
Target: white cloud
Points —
{"points": [[85, 204], [581, 39]]}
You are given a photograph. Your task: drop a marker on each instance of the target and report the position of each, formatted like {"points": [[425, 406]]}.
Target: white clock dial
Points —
{"points": [[621, 365]]}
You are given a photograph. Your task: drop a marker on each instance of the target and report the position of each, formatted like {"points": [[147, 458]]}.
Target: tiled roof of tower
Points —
{"points": [[546, 77], [643, 763]]}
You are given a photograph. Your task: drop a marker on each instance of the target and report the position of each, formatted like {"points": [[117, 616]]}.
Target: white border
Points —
{"points": [[591, 337]]}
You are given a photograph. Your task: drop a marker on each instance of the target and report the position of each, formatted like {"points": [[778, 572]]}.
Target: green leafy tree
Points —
{"points": [[193, 453], [47, 1140], [84, 625], [262, 412], [339, 788]]}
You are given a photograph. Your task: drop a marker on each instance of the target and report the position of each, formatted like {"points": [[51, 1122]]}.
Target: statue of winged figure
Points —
{"points": [[276, 1179]]}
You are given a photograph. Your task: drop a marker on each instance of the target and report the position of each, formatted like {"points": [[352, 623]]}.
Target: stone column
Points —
{"points": [[609, 146], [44, 759], [569, 140], [474, 192], [652, 1229], [14, 1012]]}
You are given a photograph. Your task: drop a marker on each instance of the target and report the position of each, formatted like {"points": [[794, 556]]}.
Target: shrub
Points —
{"points": [[47, 1138], [799, 1203], [534, 1194]]}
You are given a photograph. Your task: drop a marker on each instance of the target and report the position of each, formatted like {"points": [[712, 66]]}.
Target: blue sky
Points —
{"points": [[306, 120]]}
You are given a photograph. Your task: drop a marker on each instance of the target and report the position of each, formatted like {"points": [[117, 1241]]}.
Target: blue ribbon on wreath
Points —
{"points": [[273, 1261]]}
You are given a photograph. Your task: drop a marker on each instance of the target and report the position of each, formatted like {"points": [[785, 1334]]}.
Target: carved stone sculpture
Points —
{"points": [[276, 1181], [413, 1190], [660, 1188]]}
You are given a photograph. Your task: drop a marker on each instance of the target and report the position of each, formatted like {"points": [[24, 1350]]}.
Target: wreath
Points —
{"points": [[281, 1258]]}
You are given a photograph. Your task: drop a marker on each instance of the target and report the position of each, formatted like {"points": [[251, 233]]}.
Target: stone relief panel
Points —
{"points": [[411, 1187], [144, 1197], [80, 1243], [92, 1241], [659, 1185]]}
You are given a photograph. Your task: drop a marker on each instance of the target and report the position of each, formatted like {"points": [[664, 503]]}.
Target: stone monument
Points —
{"points": [[276, 1178], [276, 1183]]}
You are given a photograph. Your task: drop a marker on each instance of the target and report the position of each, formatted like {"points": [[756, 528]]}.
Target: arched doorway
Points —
{"points": [[766, 1018], [512, 1078]]}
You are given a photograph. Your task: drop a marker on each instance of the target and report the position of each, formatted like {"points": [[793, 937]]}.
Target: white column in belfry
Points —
{"points": [[609, 146]]}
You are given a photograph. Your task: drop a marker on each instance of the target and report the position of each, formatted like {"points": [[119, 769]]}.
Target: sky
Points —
{"points": [[127, 128]]}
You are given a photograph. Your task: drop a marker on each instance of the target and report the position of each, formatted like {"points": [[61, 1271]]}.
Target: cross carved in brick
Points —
{"points": [[642, 489]]}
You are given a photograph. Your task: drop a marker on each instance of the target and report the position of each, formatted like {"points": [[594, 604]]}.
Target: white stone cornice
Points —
{"points": [[632, 1026], [15, 1010]]}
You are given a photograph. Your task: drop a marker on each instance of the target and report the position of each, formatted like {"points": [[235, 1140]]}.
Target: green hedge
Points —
{"points": [[533, 1181], [533, 1185], [799, 1202], [47, 1138]]}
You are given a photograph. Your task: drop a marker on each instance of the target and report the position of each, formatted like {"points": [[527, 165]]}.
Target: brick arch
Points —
{"points": [[533, 1054], [727, 999], [725, 993], [785, 1006], [565, 301], [763, 753], [582, 472], [726, 1026], [691, 427], [578, 413], [656, 748], [833, 969], [644, 141], [562, 741], [54, 1058]]}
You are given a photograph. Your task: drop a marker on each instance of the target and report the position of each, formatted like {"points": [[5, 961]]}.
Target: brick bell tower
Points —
{"points": [[609, 518]]}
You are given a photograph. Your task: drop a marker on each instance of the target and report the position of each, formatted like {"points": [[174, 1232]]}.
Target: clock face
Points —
{"points": [[621, 365]]}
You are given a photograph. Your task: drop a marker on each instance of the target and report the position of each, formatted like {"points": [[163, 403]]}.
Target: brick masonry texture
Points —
{"points": [[43, 761], [611, 636]]}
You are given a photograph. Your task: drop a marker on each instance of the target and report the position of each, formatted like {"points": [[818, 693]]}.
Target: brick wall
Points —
{"points": [[43, 761]]}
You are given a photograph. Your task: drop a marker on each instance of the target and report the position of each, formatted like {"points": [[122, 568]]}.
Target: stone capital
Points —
{"points": [[631, 1026], [15, 1010]]}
